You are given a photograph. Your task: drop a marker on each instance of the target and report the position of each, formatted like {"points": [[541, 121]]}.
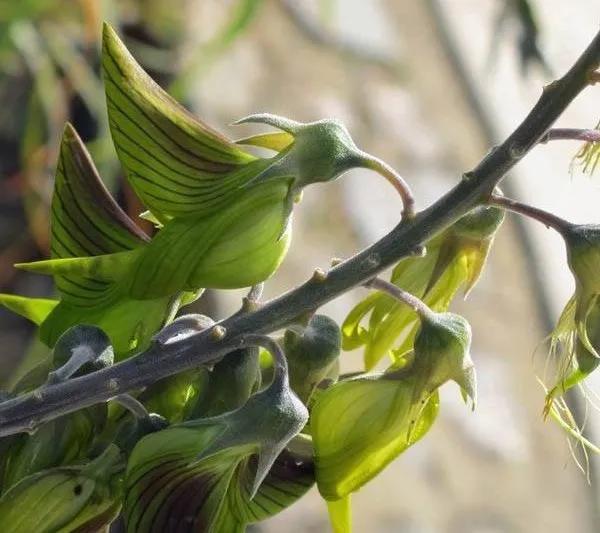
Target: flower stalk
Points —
{"points": [[547, 219]]}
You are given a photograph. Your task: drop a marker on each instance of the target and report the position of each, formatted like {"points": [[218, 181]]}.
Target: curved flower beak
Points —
{"points": [[315, 152]]}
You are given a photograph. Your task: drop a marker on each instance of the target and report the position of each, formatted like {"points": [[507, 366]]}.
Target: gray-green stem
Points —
{"points": [[416, 304], [550, 220]]}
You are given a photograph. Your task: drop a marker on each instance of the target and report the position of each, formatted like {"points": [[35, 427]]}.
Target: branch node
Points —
{"points": [[38, 395], [319, 275], [335, 261], [112, 384], [373, 260], [249, 305], [419, 251], [217, 333]]}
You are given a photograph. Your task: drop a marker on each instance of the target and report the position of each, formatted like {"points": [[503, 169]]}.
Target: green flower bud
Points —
{"points": [[132, 429], [59, 442], [311, 353], [179, 477], [583, 252], [230, 383], [80, 350], [576, 336], [360, 425], [442, 353], [576, 361], [454, 258], [85, 348], [66, 499], [317, 152]]}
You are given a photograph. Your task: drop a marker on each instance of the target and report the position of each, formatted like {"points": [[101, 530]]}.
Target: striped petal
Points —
{"points": [[176, 164], [85, 221]]}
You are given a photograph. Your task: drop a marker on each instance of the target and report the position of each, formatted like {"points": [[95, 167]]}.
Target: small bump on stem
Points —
{"points": [[251, 302], [319, 275], [373, 260], [38, 395], [218, 333]]}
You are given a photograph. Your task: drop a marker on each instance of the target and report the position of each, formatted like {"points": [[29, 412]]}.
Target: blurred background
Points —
{"points": [[428, 85]]}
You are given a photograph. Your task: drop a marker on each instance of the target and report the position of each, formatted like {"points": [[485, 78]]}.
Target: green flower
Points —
{"points": [[67, 439], [576, 337], [64, 499], [360, 425], [224, 215], [588, 155], [312, 353], [454, 258], [219, 473]]}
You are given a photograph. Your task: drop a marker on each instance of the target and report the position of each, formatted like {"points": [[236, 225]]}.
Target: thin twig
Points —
{"points": [[280, 366], [549, 220], [26, 412], [397, 181], [133, 405], [419, 306], [571, 134]]}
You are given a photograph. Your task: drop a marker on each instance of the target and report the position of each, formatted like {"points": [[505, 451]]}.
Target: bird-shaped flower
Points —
{"points": [[224, 214], [222, 472], [454, 258], [576, 337], [361, 424]]}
